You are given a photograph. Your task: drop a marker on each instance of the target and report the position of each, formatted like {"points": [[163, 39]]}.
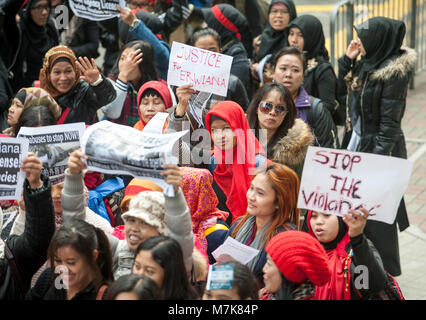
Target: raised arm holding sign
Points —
{"points": [[336, 181], [206, 70]]}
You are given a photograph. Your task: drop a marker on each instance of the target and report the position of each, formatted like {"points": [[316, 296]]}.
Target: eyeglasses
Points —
{"points": [[41, 8], [266, 107]]}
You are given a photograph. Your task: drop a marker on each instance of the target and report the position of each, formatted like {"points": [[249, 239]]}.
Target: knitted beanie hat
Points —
{"points": [[149, 206], [136, 186], [299, 256]]}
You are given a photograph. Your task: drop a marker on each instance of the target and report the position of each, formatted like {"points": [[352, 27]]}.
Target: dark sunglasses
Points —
{"points": [[266, 107]]}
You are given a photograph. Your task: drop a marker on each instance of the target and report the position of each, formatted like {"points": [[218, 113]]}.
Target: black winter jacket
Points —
{"points": [[22, 58], [322, 124], [380, 101], [29, 249], [84, 100], [240, 64], [321, 82]]}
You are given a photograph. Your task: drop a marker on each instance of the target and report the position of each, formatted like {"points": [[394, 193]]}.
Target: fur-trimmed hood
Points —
{"points": [[291, 149], [398, 67]]}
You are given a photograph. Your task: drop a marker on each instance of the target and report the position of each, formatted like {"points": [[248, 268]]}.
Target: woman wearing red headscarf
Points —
{"points": [[235, 156], [153, 97]]}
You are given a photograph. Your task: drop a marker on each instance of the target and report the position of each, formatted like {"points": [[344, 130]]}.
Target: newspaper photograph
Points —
{"points": [[119, 149], [12, 152], [53, 145]]}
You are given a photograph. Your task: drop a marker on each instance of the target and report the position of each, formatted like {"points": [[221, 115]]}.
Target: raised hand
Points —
{"points": [[128, 64], [89, 69], [32, 167], [353, 49], [183, 94], [356, 221], [75, 164], [126, 15], [173, 175]]}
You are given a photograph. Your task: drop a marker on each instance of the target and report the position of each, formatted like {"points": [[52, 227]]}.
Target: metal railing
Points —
{"points": [[348, 13]]}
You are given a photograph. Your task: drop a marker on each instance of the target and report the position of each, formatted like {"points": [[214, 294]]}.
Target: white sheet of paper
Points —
{"points": [[96, 10], [206, 70], [156, 124], [334, 181], [234, 249]]}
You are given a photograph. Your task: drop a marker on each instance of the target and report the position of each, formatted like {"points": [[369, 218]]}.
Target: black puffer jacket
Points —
{"points": [[84, 100], [381, 101], [322, 124], [25, 44], [321, 82], [240, 64], [29, 249]]}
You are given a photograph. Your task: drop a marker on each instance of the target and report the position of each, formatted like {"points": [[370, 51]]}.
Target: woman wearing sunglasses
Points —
{"points": [[287, 137], [289, 67]]}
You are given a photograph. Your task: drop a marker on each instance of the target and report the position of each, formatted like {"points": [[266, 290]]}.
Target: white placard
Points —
{"points": [[53, 145], [232, 249], [96, 10], [334, 181], [12, 152], [206, 70]]}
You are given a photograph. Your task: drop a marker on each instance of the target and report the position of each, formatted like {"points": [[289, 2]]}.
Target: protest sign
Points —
{"points": [[334, 181], [119, 149], [206, 70], [96, 10], [233, 250], [53, 145], [12, 152]]}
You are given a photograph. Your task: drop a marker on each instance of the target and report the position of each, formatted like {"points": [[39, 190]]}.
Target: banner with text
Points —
{"points": [[96, 10], [12, 152], [208, 71], [53, 145], [334, 181]]}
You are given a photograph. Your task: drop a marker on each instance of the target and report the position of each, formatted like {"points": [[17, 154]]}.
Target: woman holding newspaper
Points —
{"points": [[146, 217]]}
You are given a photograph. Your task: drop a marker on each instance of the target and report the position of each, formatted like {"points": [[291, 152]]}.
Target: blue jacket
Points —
{"points": [[161, 48]]}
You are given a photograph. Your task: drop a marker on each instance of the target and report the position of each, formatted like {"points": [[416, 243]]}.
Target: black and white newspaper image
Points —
{"points": [[114, 148], [53, 145]]}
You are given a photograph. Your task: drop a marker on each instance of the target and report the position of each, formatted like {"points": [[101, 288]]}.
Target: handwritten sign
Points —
{"points": [[208, 71], [334, 181], [96, 10]]}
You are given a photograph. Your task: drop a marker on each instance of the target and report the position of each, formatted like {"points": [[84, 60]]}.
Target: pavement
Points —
{"points": [[412, 241]]}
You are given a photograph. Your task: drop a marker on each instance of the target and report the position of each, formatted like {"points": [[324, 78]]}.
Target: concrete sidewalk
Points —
{"points": [[412, 241]]}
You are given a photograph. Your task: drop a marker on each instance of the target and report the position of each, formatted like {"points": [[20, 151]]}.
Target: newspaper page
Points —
{"points": [[53, 145], [96, 10], [197, 104], [119, 149], [12, 152]]}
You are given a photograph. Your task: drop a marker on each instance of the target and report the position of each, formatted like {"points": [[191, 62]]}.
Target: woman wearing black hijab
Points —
{"points": [[28, 40], [376, 98], [272, 39], [306, 33]]}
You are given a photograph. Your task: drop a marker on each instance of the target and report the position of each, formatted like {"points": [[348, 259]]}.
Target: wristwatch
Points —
{"points": [[135, 23]]}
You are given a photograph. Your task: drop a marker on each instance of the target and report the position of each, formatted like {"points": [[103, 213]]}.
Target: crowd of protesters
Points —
{"points": [[283, 94]]}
